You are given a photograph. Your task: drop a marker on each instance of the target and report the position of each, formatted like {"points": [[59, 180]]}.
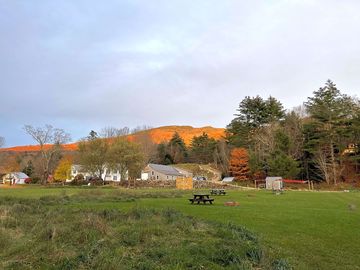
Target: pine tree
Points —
{"points": [[332, 114], [202, 149]]}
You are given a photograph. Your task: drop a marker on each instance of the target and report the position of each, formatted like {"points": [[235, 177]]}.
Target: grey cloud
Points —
{"points": [[82, 65]]}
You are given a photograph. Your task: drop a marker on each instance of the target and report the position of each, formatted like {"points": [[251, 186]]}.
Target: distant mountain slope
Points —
{"points": [[165, 133], [157, 135]]}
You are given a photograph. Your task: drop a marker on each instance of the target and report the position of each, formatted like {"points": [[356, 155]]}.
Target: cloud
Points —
{"points": [[83, 65]]}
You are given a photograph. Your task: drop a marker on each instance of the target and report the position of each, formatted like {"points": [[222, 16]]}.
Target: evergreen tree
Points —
{"points": [[332, 114], [177, 149], [173, 152], [253, 113], [202, 149], [29, 168], [163, 157]]}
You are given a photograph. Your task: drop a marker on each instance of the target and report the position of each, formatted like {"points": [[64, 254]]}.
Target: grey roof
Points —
{"points": [[164, 169], [20, 175]]}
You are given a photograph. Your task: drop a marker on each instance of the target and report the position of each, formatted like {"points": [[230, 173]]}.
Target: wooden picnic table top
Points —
{"points": [[201, 195]]}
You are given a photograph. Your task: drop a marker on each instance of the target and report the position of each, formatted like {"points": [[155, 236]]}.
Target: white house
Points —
{"points": [[16, 178], [163, 172], [107, 175]]}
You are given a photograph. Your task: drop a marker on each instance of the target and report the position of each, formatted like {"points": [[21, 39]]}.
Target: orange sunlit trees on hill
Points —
{"points": [[239, 164]]}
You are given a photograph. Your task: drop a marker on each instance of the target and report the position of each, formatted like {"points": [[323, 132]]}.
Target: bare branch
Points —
{"points": [[53, 138]]}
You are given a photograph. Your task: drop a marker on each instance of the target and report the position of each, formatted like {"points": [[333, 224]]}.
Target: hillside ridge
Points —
{"points": [[157, 135]]}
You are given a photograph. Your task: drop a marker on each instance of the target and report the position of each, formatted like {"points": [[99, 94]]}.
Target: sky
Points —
{"points": [[86, 64]]}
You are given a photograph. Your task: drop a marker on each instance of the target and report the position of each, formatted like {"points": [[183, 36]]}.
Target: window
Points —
{"points": [[167, 177], [115, 177], [152, 172], [157, 177]]}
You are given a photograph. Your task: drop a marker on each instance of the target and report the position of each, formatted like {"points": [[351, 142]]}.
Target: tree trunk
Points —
{"points": [[333, 162]]}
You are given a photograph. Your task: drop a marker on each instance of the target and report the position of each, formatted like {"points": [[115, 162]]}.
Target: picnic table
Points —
{"points": [[204, 198], [218, 192]]}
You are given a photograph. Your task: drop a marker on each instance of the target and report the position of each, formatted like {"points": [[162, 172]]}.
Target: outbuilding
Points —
{"points": [[16, 178], [274, 182]]}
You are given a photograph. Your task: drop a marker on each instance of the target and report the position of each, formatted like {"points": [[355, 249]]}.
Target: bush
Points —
{"points": [[79, 180], [35, 180], [96, 181]]}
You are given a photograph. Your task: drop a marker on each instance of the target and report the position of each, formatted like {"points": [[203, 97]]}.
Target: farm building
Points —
{"points": [[163, 172], [274, 183], [16, 178]]}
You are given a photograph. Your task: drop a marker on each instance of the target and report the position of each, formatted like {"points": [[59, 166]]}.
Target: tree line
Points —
{"points": [[317, 140]]}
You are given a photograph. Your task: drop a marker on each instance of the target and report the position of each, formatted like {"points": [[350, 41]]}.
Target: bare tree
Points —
{"points": [[140, 128], [2, 141], [147, 146], [50, 140], [112, 132], [221, 157], [326, 166], [323, 164]]}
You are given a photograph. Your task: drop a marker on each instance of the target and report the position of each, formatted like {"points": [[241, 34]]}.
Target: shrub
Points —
{"points": [[79, 180], [96, 181], [35, 180]]}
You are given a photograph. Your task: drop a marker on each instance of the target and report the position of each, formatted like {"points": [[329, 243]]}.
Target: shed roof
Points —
{"points": [[273, 178], [164, 169], [19, 175]]}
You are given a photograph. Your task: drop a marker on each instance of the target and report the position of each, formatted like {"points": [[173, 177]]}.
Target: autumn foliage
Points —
{"points": [[63, 170], [239, 164]]}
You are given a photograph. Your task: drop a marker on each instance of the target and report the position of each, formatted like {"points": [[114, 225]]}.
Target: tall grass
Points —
{"points": [[45, 234]]}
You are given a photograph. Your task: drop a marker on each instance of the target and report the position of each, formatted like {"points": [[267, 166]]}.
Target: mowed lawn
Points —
{"points": [[312, 230]]}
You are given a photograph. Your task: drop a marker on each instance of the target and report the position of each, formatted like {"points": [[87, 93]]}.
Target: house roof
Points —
{"points": [[164, 169], [19, 175]]}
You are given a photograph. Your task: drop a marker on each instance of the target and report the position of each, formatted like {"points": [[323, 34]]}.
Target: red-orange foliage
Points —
{"points": [[239, 164]]}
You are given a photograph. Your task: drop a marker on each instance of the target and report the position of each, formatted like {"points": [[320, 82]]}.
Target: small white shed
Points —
{"points": [[274, 182], [16, 178]]}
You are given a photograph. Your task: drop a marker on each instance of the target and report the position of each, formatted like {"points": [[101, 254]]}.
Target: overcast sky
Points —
{"points": [[82, 65]]}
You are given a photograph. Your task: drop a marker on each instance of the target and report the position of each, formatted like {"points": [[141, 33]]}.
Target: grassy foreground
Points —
{"points": [[309, 230]]}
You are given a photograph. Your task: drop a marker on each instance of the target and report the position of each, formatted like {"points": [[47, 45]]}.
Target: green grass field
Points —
{"points": [[311, 230]]}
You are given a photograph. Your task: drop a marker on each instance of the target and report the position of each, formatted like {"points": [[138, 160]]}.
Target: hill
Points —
{"points": [[156, 135]]}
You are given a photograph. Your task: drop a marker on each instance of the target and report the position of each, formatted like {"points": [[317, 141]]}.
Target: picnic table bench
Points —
{"points": [[218, 192], [204, 198]]}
